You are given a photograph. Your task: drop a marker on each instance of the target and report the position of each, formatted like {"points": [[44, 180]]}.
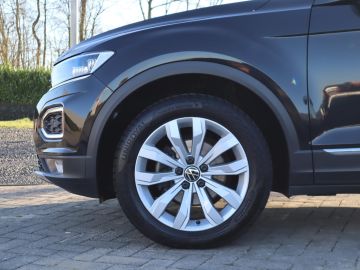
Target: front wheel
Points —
{"points": [[192, 169]]}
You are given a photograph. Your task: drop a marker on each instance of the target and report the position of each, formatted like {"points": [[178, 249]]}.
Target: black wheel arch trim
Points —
{"points": [[188, 67]]}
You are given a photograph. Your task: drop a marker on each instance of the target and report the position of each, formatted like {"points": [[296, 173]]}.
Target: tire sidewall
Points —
{"points": [[213, 109]]}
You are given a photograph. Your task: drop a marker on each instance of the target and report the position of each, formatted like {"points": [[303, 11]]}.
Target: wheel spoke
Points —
{"points": [[211, 214], [160, 204], [224, 144], [174, 136], [199, 131], [147, 178], [153, 153], [226, 193], [183, 216], [233, 168]]}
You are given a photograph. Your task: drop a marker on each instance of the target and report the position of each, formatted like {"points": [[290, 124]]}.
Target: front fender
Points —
{"points": [[235, 74]]}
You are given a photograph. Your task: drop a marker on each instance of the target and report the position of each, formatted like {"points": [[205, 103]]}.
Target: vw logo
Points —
{"points": [[192, 174]]}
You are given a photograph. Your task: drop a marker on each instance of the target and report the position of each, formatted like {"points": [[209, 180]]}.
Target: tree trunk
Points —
{"points": [[82, 19], [38, 42], [150, 8], [18, 32], [25, 47], [4, 48], [44, 38]]}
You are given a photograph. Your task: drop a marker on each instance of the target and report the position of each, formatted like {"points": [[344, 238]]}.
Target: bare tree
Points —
{"points": [[62, 18], [91, 18], [44, 34], [95, 10], [4, 33], [147, 7], [38, 49], [18, 31], [90, 12], [27, 51], [34, 33]]}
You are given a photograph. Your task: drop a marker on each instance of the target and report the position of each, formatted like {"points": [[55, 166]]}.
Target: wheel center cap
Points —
{"points": [[192, 174]]}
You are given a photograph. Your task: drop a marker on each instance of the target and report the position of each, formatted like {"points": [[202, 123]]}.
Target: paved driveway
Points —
{"points": [[43, 227]]}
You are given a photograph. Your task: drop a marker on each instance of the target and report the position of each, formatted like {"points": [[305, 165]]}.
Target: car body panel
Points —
{"points": [[301, 163], [262, 45], [188, 17], [258, 40], [81, 100], [334, 91]]}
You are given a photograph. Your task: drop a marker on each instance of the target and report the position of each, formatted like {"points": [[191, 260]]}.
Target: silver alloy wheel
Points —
{"points": [[192, 174]]}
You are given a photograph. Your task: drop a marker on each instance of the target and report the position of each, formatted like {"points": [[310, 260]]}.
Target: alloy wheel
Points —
{"points": [[191, 174]]}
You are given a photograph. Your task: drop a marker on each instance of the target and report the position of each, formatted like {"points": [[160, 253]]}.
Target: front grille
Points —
{"points": [[52, 125]]}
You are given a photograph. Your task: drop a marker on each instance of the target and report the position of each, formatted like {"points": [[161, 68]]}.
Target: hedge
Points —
{"points": [[23, 86]]}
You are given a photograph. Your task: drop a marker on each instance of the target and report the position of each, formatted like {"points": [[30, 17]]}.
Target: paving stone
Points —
{"points": [[122, 260], [73, 248], [44, 227], [12, 243], [128, 250], [191, 261], [17, 262], [4, 255], [24, 250], [157, 263], [222, 260], [50, 260], [24, 236], [33, 267], [92, 254], [263, 264], [78, 265], [158, 255]]}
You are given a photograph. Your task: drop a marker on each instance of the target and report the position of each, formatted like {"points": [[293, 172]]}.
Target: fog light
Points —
{"points": [[52, 123], [55, 165]]}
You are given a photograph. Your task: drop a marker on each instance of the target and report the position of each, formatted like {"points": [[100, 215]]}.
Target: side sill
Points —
{"points": [[324, 190], [343, 151]]}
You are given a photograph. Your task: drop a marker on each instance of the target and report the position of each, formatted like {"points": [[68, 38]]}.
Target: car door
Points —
{"points": [[334, 91]]}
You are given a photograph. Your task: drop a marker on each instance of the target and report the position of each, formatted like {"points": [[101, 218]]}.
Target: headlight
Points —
{"points": [[78, 66]]}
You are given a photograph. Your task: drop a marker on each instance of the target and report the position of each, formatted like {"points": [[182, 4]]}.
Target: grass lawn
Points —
{"points": [[20, 123]]}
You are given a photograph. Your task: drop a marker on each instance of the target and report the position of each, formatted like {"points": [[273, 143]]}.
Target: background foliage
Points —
{"points": [[23, 86]]}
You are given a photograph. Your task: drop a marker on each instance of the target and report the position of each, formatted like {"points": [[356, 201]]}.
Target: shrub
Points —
{"points": [[23, 86]]}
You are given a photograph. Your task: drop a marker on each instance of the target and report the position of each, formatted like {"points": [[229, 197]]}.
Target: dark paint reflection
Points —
{"points": [[341, 105]]}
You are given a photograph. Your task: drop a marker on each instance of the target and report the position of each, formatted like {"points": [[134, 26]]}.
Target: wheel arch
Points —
{"points": [[136, 87]]}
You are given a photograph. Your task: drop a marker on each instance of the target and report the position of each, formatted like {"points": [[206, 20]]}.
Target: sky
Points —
{"points": [[115, 15]]}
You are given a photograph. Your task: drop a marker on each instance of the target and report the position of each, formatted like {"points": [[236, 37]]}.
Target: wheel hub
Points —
{"points": [[192, 174]]}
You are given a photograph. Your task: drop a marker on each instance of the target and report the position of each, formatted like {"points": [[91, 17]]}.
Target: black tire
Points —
{"points": [[193, 105]]}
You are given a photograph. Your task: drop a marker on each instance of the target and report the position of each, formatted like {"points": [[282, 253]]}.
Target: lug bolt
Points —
{"points": [[204, 168], [185, 185], [178, 171], [201, 183], [190, 160]]}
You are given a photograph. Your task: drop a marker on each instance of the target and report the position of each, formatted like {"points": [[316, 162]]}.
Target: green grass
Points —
{"points": [[20, 123]]}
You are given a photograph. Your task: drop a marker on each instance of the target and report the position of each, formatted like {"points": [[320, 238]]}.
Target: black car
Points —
{"points": [[191, 119]]}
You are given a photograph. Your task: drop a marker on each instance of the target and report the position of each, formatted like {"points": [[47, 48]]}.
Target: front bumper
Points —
{"points": [[72, 179], [81, 99]]}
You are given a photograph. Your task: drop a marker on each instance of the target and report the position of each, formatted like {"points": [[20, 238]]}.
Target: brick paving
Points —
{"points": [[44, 227]]}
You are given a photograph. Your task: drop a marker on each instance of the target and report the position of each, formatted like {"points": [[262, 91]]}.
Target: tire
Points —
{"points": [[188, 220]]}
